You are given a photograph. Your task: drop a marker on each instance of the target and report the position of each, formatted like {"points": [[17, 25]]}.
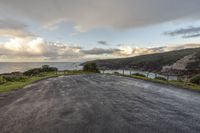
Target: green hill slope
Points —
{"points": [[152, 62]]}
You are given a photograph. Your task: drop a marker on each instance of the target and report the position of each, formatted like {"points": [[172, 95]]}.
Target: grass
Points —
{"points": [[187, 85], [14, 85]]}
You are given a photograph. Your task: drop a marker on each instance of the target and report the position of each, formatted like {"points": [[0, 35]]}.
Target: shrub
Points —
{"points": [[2, 80], [91, 67], [117, 73], [73, 71], [139, 74], [195, 79], [46, 68], [14, 78], [33, 72], [161, 78], [37, 71]]}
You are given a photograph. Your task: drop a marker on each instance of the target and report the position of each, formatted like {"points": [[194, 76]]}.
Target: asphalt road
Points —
{"points": [[99, 104]]}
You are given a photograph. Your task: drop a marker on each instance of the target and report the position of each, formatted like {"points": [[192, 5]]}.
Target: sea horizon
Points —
{"points": [[8, 67]]}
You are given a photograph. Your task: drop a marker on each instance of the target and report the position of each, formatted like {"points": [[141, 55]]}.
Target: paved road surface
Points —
{"points": [[99, 104]]}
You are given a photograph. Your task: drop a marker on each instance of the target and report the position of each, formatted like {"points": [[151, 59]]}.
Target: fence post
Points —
{"points": [[155, 75], [167, 77], [147, 74]]}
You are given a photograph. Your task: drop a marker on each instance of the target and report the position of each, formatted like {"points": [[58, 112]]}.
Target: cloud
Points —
{"points": [[191, 36], [37, 48], [189, 32], [100, 51], [127, 51], [90, 14], [13, 28], [102, 43]]}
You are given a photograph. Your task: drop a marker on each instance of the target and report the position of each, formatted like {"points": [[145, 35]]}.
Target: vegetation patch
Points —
{"points": [[186, 85], [117, 73], [150, 62], [139, 74], [195, 79], [37, 71], [161, 78], [2, 80], [91, 67], [9, 83]]}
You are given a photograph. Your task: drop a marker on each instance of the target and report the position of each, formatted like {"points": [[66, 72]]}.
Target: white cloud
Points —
{"points": [[125, 51], [37, 48]]}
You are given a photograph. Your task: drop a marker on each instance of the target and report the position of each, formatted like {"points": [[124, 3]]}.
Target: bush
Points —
{"points": [[33, 72], [46, 68], [139, 74], [14, 78], [117, 73], [195, 79], [2, 80], [161, 78], [73, 71], [37, 71], [91, 67]]}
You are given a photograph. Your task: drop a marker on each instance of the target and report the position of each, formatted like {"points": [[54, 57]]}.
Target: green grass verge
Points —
{"points": [[14, 85], [187, 85]]}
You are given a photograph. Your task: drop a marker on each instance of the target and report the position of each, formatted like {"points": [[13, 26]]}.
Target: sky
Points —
{"points": [[82, 30]]}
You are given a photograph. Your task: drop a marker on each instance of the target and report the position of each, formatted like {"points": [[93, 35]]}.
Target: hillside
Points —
{"points": [[186, 60]]}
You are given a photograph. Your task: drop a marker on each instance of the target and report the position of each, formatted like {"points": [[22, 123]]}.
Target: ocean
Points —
{"points": [[7, 67]]}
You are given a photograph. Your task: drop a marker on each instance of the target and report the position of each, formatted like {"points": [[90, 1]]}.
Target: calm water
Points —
{"points": [[6, 67]]}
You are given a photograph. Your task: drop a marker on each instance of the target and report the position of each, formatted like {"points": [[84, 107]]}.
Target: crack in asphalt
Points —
{"points": [[97, 103]]}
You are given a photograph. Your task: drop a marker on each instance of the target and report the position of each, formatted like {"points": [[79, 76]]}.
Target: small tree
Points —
{"points": [[91, 67]]}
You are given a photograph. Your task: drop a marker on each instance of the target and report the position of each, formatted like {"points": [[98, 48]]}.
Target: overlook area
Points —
{"points": [[95, 103]]}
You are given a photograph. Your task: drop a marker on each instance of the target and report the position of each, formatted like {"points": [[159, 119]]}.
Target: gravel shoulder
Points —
{"points": [[95, 103]]}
